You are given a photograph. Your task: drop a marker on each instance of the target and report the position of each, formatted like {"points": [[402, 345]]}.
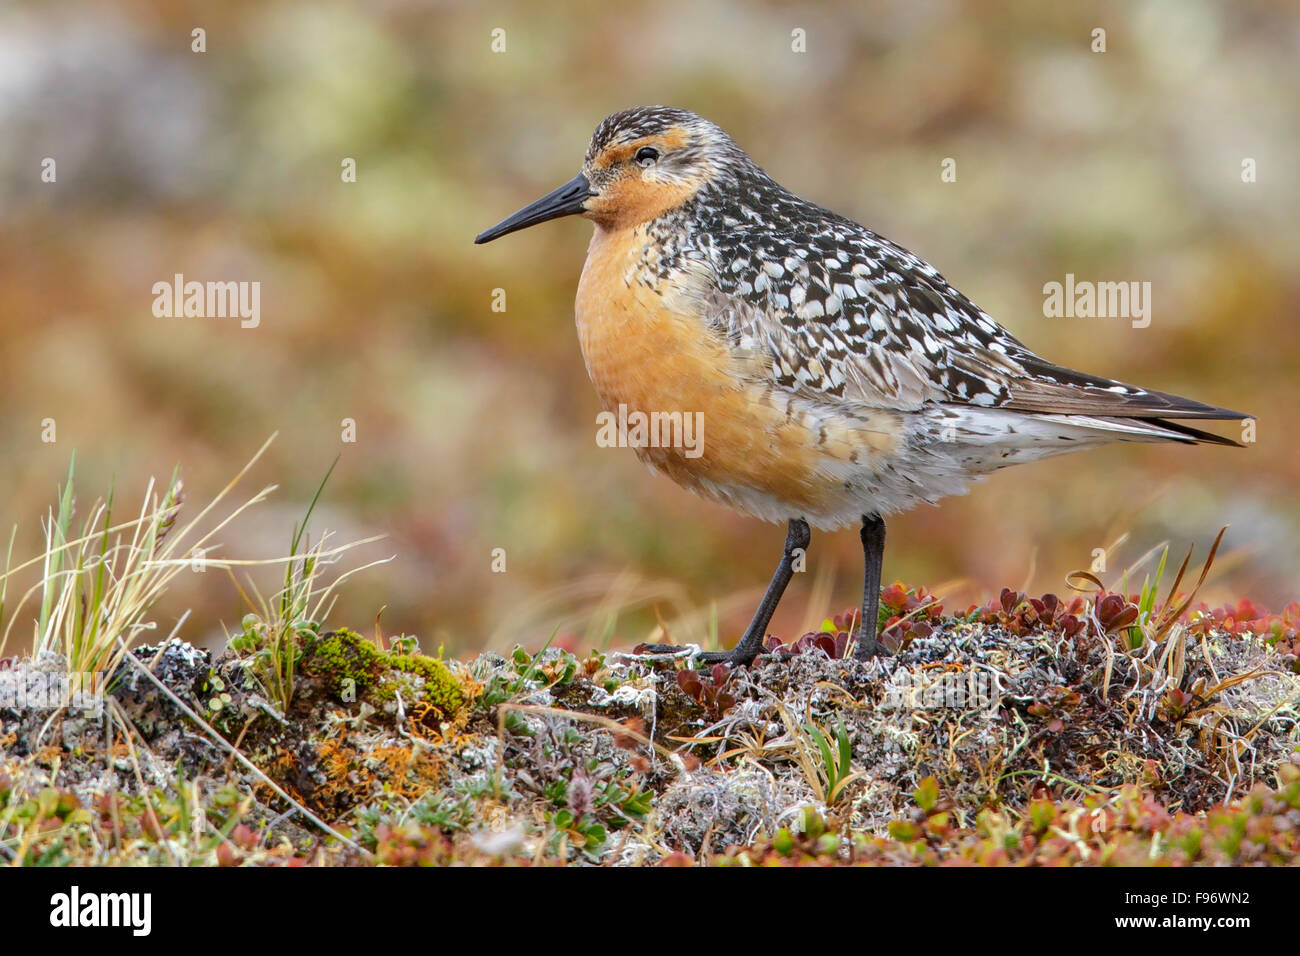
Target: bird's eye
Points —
{"points": [[646, 156]]}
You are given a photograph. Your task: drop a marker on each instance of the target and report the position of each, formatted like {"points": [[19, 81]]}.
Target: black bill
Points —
{"points": [[565, 201]]}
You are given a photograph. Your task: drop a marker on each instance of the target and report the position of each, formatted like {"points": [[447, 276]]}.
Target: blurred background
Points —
{"points": [[475, 429]]}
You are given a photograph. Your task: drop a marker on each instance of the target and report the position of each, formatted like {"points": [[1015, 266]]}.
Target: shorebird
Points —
{"points": [[839, 377]]}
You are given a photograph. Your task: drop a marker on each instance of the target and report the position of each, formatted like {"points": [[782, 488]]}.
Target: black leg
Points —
{"points": [[873, 554], [796, 539]]}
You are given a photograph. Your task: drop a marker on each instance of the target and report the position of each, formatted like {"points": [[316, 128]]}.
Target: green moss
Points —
{"points": [[379, 677], [342, 656], [424, 679]]}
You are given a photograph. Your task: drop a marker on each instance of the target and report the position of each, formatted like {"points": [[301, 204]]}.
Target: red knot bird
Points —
{"points": [[838, 377]]}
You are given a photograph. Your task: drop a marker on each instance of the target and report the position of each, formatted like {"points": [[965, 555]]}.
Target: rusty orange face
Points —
{"points": [[622, 184], [641, 179]]}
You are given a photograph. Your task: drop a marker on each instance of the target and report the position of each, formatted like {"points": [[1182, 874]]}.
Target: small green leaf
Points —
{"points": [[903, 831], [927, 794], [846, 749], [783, 842]]}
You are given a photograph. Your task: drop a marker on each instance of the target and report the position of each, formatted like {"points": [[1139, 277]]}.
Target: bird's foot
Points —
{"points": [[738, 656]]}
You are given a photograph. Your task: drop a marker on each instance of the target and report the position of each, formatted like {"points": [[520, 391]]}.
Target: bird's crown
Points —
{"points": [[654, 157], [642, 163]]}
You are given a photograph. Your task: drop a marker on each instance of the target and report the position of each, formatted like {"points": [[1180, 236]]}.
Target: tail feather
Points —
{"points": [[986, 439], [1193, 436], [1054, 389], [1144, 429]]}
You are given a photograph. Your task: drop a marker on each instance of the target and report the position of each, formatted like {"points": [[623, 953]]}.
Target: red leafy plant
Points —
{"points": [[1281, 631], [833, 638], [909, 614], [1021, 614], [709, 688], [1176, 704], [1055, 707], [1115, 612], [905, 615]]}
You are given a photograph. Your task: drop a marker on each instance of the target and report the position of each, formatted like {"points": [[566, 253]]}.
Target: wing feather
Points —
{"points": [[842, 311]]}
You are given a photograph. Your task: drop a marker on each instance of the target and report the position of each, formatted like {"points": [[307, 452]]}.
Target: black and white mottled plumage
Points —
{"points": [[845, 312], [850, 334]]}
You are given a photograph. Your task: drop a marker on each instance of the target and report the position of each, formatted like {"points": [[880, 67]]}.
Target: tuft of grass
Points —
{"points": [[1147, 602], [827, 769], [99, 580], [835, 772], [273, 633]]}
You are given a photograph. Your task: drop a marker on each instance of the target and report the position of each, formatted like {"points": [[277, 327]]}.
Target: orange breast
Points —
{"points": [[646, 353]]}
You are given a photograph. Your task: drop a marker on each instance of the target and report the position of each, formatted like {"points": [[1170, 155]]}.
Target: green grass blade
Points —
{"points": [[4, 582], [58, 536], [828, 760]]}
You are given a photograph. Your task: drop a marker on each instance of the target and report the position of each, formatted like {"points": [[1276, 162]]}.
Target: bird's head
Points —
{"points": [[641, 163]]}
